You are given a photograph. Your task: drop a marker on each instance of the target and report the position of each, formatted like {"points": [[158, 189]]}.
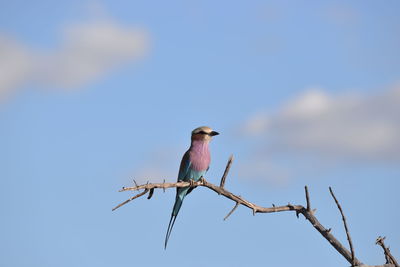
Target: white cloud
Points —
{"points": [[356, 127], [15, 65], [88, 51]]}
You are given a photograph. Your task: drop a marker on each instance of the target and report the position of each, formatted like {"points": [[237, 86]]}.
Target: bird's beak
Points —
{"points": [[213, 133]]}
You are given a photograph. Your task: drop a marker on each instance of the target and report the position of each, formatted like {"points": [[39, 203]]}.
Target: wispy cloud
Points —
{"points": [[319, 129], [16, 65], [359, 127], [88, 51]]}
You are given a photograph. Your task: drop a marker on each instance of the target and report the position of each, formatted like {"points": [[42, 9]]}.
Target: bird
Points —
{"points": [[194, 165]]}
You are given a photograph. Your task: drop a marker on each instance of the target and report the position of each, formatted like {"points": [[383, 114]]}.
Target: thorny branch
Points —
{"points": [[299, 209]]}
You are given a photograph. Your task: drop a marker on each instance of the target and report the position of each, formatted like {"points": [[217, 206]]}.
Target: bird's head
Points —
{"points": [[203, 133]]}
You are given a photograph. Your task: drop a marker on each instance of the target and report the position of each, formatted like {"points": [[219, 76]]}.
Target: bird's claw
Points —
{"points": [[191, 182]]}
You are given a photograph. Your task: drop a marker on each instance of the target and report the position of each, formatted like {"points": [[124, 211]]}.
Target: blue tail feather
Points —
{"points": [[181, 193]]}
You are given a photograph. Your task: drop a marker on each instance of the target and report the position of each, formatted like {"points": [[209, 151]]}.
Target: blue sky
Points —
{"points": [[94, 94]]}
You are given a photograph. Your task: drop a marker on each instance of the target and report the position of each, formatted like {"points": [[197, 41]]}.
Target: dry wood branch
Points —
{"points": [[299, 209], [227, 168], [255, 208], [389, 257], [307, 199], [130, 199], [345, 227]]}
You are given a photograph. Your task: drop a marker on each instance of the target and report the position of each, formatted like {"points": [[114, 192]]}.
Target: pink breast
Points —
{"points": [[199, 155]]}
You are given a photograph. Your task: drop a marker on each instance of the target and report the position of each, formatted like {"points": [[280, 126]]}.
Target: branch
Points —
{"points": [[306, 212], [130, 199], [307, 199], [234, 208], [227, 168], [345, 227], [389, 257]]}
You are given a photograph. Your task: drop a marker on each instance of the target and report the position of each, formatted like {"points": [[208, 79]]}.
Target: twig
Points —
{"points": [[228, 166], [130, 199], [389, 257], [345, 227], [135, 182], [307, 199], [234, 208]]}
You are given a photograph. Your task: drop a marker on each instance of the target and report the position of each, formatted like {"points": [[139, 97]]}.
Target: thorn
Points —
{"points": [[134, 181], [273, 205], [164, 187], [297, 213], [329, 230]]}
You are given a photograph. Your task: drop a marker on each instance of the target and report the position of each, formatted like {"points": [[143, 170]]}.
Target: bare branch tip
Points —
{"points": [[307, 198], [230, 213], [379, 240], [345, 226], [228, 166]]}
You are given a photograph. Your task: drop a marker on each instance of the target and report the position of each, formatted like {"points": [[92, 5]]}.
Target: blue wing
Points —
{"points": [[184, 168]]}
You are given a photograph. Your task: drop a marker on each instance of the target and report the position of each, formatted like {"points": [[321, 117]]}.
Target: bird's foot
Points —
{"points": [[191, 182]]}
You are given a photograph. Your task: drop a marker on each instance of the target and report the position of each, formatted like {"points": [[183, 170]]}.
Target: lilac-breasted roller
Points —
{"points": [[195, 163]]}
